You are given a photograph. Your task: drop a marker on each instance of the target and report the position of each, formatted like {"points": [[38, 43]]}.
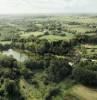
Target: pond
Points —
{"points": [[21, 57]]}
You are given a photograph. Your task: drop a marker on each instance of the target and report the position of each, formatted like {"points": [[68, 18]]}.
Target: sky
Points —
{"points": [[47, 6]]}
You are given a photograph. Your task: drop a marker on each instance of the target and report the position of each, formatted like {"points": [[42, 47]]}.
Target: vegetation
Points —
{"points": [[55, 58]]}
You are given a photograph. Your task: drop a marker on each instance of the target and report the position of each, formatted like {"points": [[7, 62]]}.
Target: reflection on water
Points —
{"points": [[17, 55]]}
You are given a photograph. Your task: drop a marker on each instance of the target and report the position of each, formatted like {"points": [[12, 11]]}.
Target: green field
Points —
{"points": [[84, 93], [28, 34], [79, 28], [5, 42], [56, 38], [90, 49]]}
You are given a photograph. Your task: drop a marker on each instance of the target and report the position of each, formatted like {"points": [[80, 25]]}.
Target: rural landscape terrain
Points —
{"points": [[48, 57]]}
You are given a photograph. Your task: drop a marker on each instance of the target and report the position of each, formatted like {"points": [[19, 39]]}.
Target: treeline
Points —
{"points": [[46, 47], [4, 47], [86, 39], [54, 47]]}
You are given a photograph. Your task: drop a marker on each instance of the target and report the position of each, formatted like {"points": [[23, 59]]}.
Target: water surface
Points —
{"points": [[16, 54]]}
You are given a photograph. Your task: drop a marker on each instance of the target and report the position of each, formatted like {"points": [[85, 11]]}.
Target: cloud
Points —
{"points": [[47, 6]]}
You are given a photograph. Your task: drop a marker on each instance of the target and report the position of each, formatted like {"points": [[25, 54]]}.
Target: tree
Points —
{"points": [[58, 70], [43, 47], [34, 64], [86, 73], [12, 89]]}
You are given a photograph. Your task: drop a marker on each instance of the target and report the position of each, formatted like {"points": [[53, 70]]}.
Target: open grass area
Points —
{"points": [[29, 91], [56, 38], [90, 34], [89, 20], [79, 28], [90, 46], [5, 42], [84, 93], [28, 34], [90, 49], [86, 49], [80, 19]]}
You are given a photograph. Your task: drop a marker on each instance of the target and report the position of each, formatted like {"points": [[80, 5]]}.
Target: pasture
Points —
{"points": [[28, 34], [68, 37], [84, 93]]}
